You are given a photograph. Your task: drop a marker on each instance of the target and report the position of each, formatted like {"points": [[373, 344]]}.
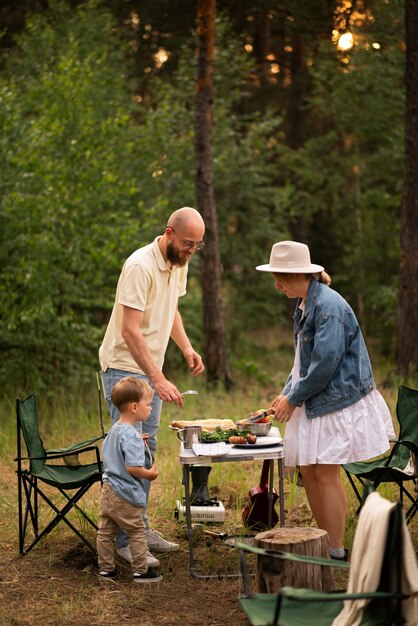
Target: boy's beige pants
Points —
{"points": [[117, 513]]}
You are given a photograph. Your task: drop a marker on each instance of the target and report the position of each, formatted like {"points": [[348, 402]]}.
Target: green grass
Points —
{"points": [[29, 585], [74, 417]]}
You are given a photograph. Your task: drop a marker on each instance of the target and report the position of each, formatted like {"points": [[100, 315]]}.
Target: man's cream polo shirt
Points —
{"points": [[148, 285]]}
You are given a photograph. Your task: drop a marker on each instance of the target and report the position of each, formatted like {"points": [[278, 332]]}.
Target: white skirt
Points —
{"points": [[357, 433]]}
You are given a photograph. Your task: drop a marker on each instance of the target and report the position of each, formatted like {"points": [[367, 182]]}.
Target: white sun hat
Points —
{"points": [[290, 257]]}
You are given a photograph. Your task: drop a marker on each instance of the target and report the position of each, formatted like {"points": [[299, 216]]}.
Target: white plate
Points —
{"points": [[262, 442]]}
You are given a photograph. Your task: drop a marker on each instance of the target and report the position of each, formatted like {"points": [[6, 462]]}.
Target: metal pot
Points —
{"points": [[190, 435], [260, 429]]}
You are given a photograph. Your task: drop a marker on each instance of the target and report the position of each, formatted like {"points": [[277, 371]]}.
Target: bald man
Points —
{"points": [[145, 315]]}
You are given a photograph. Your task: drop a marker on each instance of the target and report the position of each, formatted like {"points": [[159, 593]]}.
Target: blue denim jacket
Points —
{"points": [[335, 368]]}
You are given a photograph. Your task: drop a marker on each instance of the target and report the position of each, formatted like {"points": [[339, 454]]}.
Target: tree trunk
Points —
{"points": [[213, 320], [407, 339], [274, 573]]}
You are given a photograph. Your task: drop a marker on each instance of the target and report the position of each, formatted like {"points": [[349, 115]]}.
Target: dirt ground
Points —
{"points": [[62, 588], [57, 584]]}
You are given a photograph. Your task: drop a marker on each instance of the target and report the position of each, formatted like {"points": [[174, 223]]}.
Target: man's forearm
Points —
{"points": [[138, 348], [178, 334]]}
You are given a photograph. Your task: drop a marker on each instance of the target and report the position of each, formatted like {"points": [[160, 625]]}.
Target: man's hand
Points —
{"points": [[282, 408], [194, 361], [167, 391]]}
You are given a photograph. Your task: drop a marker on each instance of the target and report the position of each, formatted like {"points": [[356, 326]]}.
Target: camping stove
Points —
{"points": [[203, 507], [201, 510]]}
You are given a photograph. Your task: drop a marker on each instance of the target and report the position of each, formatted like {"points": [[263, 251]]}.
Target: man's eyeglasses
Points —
{"points": [[197, 245]]}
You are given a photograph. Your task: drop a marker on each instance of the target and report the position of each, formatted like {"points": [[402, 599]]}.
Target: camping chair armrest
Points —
{"points": [[402, 443], [413, 454], [411, 445], [75, 447], [289, 556], [309, 595], [77, 451], [53, 454]]}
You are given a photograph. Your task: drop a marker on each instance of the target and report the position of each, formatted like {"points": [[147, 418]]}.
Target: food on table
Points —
{"points": [[238, 439], [220, 435], [265, 417], [243, 439], [263, 420], [207, 425]]}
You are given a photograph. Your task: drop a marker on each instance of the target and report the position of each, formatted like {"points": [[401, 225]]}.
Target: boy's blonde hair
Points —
{"points": [[130, 389]]}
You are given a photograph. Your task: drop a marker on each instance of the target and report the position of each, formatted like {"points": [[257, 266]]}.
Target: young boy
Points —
{"points": [[123, 496]]}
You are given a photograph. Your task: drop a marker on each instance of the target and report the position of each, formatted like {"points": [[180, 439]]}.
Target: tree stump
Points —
{"points": [[274, 573]]}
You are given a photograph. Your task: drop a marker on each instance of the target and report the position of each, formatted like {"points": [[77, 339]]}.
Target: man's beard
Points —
{"points": [[173, 255]]}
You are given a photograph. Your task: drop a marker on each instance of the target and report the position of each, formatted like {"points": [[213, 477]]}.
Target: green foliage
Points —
{"points": [[90, 171], [347, 179], [71, 201], [250, 217]]}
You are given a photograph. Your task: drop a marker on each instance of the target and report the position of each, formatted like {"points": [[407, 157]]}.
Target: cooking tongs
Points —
{"points": [[258, 415]]}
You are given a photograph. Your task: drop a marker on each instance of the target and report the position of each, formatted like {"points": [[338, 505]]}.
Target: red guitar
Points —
{"points": [[255, 515]]}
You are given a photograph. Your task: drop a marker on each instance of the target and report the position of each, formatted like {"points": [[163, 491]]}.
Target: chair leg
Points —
{"points": [[414, 504], [31, 510], [79, 510], [63, 512], [20, 507], [35, 505], [356, 491], [60, 515], [277, 610]]}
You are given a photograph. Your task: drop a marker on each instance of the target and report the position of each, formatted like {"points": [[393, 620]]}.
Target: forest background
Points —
{"points": [[312, 139], [97, 108]]}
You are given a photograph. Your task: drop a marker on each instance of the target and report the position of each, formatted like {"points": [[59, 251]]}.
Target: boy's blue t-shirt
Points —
{"points": [[123, 446]]}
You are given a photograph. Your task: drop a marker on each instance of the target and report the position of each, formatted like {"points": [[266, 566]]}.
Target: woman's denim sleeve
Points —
{"points": [[287, 386], [321, 354]]}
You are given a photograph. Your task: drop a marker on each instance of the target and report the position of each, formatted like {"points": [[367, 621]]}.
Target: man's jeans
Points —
{"points": [[150, 426]]}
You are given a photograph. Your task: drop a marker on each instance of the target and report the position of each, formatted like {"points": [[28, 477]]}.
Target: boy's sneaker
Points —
{"points": [[157, 543], [148, 577], [125, 553], [104, 574]]}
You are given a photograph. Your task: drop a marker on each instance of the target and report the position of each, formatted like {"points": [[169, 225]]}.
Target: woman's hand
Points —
{"points": [[282, 409]]}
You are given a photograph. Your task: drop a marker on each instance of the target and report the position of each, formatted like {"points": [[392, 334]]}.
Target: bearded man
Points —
{"points": [[145, 315]]}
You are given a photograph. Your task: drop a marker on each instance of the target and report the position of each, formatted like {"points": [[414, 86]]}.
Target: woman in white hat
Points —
{"points": [[333, 411]]}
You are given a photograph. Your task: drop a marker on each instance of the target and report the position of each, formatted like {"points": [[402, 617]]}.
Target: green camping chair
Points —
{"points": [[401, 465], [69, 476], [299, 607]]}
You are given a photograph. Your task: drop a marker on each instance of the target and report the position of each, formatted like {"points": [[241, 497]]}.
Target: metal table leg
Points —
{"points": [[188, 513], [270, 496], [281, 492]]}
